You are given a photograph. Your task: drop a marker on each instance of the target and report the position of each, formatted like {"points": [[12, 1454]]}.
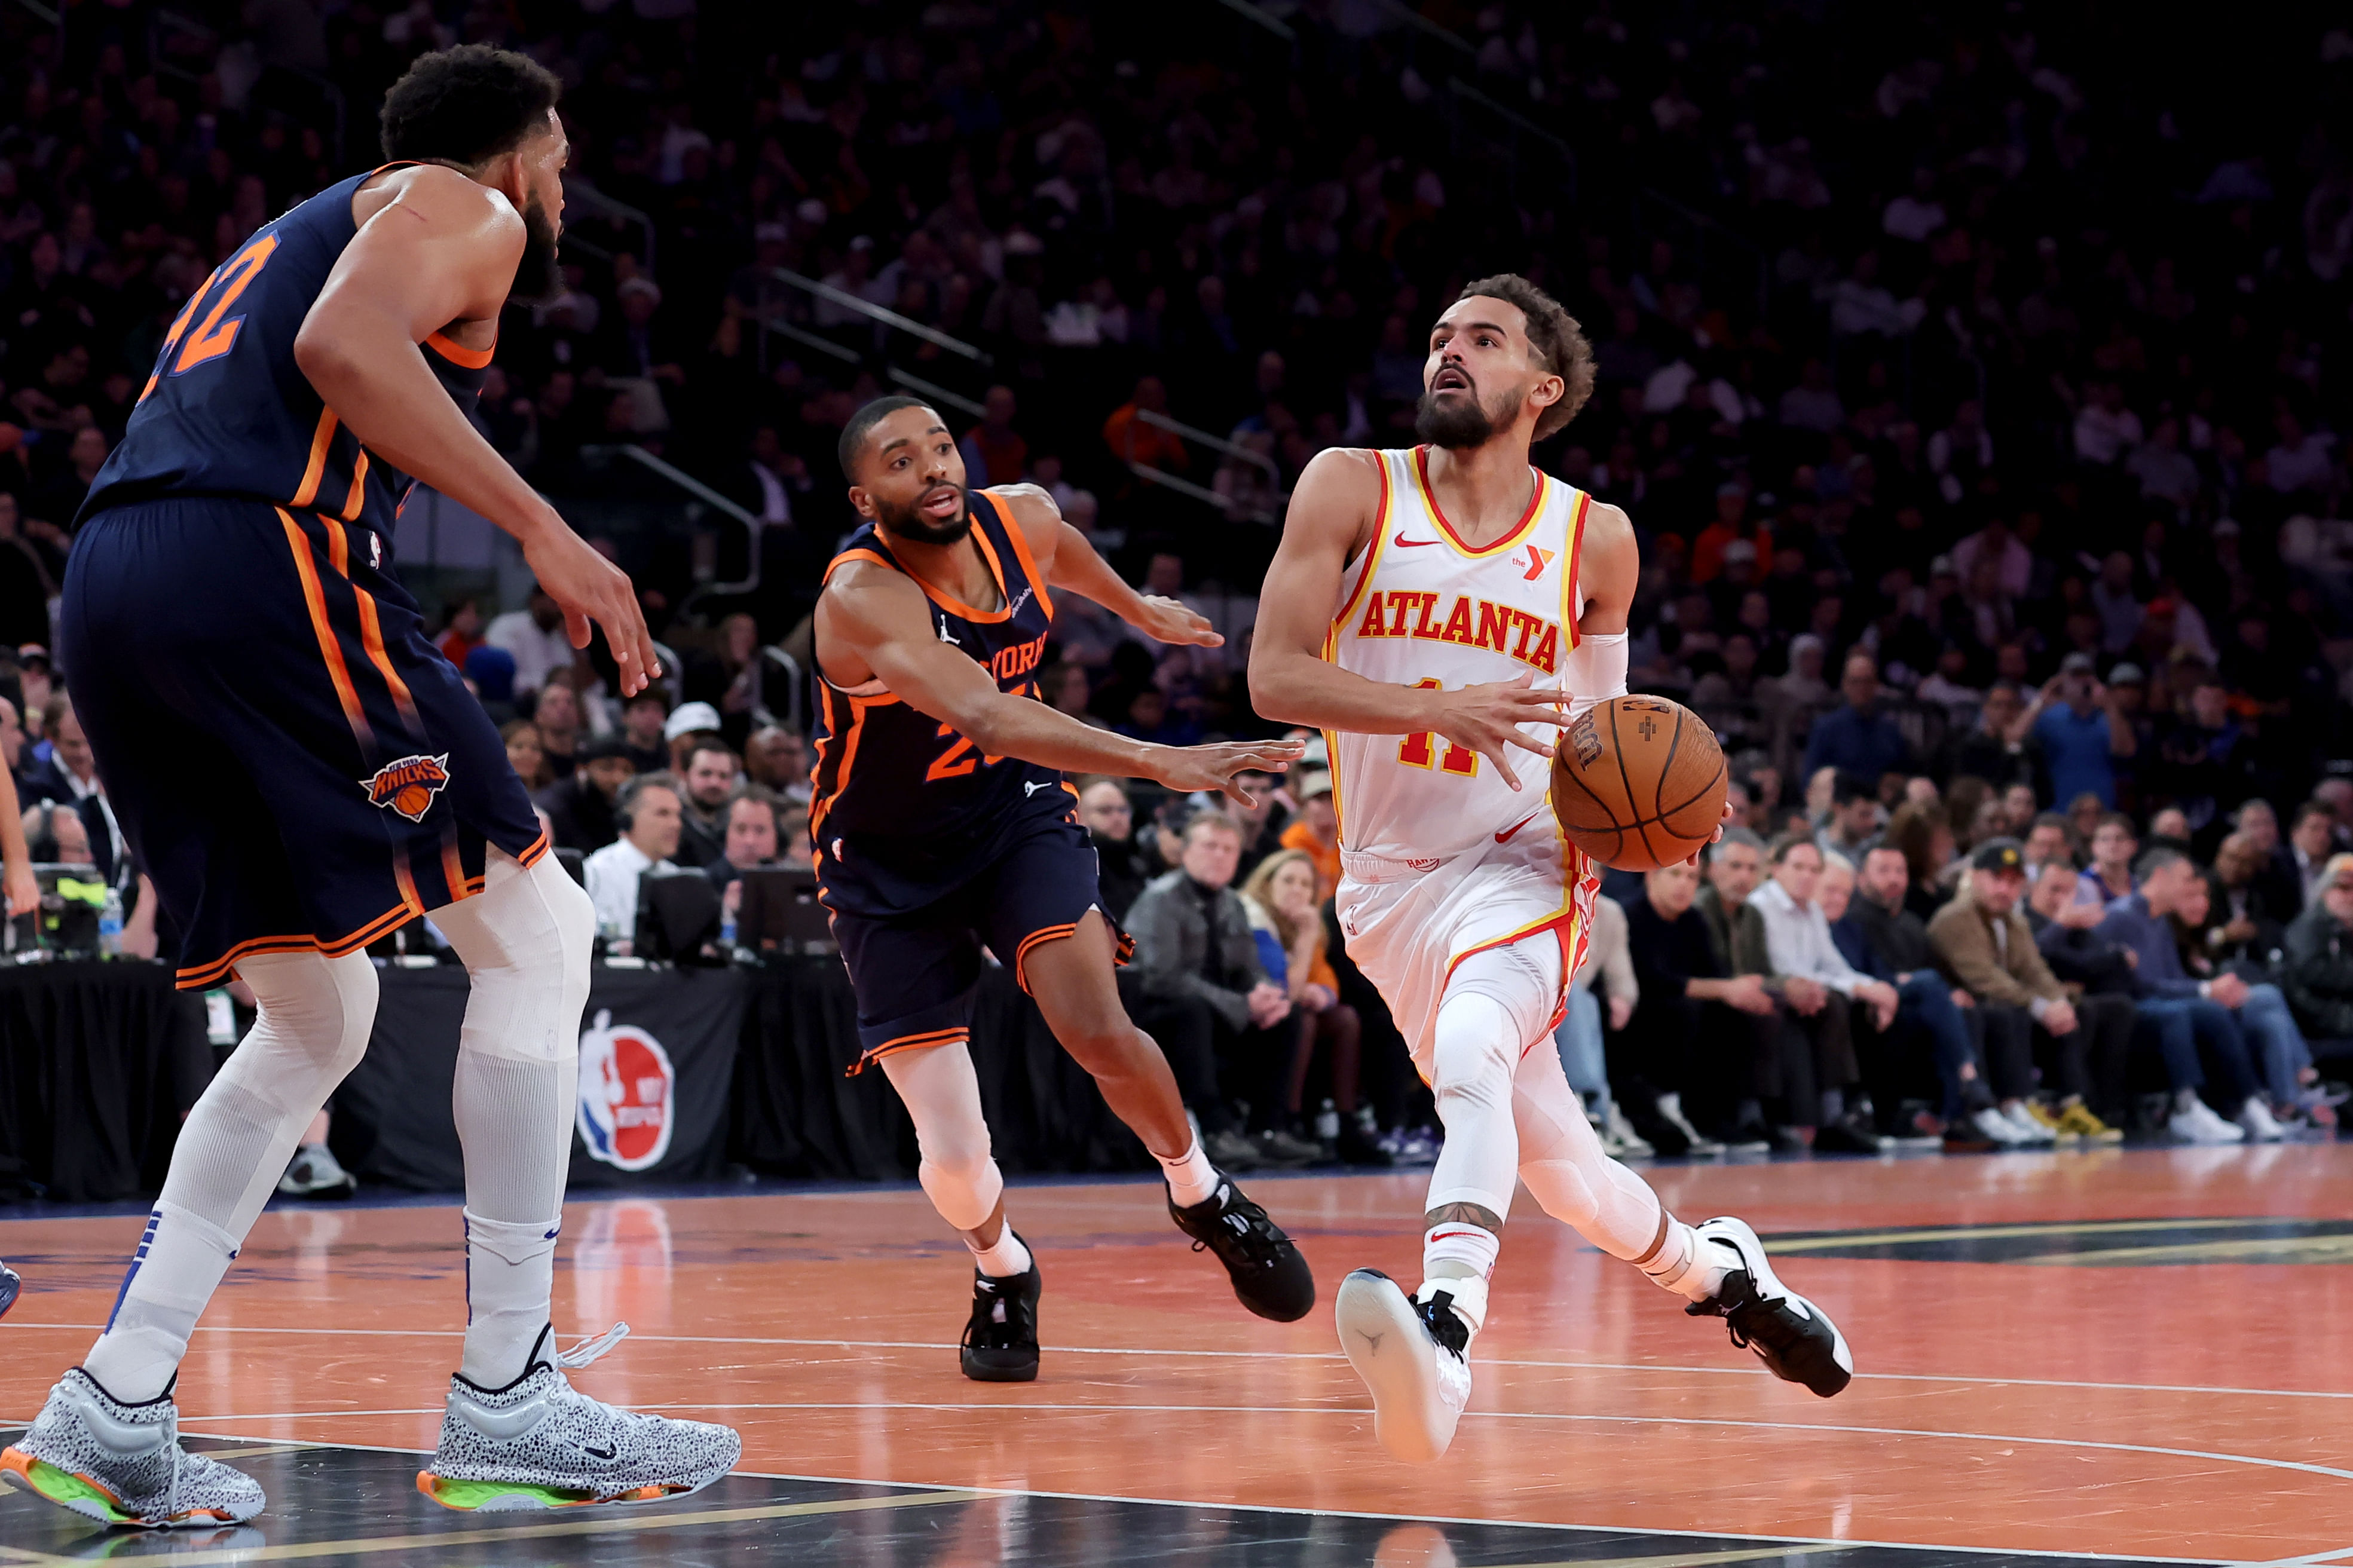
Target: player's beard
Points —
{"points": [[1465, 422], [911, 524], [539, 275]]}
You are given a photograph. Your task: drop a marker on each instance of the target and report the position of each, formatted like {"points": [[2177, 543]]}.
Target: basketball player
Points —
{"points": [[300, 772], [1430, 610], [941, 824]]}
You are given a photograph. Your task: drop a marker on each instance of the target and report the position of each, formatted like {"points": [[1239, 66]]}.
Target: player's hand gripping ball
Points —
{"points": [[1638, 783]]}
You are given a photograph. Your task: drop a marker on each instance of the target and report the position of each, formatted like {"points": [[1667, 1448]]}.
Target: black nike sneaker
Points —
{"points": [[1794, 1339], [1000, 1342], [1269, 1277]]}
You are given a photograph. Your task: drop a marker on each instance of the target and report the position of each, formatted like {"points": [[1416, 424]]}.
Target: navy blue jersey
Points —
{"points": [[227, 411], [904, 809]]}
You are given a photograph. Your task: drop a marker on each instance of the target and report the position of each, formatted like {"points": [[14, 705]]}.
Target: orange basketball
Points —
{"points": [[1638, 783], [412, 800]]}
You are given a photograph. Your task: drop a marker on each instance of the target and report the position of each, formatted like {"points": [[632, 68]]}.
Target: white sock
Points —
{"points": [[1684, 1264], [1191, 1178], [1005, 1259], [179, 1264], [509, 1272], [1457, 1258], [1467, 1293]]}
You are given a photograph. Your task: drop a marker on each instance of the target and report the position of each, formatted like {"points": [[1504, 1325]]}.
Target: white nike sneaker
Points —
{"points": [[2030, 1130], [1794, 1339], [2259, 1124], [123, 1464], [2199, 1125], [1415, 1357], [1998, 1128], [538, 1443]]}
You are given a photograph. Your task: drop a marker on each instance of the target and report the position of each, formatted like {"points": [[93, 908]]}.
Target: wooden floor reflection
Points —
{"points": [[2166, 1390]]}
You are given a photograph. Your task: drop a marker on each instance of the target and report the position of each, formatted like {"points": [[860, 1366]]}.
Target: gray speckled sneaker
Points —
{"points": [[538, 1443], [123, 1464]]}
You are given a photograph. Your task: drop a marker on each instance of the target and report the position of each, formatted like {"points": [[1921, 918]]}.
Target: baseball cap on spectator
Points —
{"points": [[1312, 784], [2127, 675], [32, 652], [1999, 855], [492, 671], [2076, 663], [689, 718]]}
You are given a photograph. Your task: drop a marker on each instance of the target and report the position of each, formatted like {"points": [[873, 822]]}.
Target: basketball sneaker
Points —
{"points": [[123, 1464], [1414, 1356], [1000, 1342], [10, 1288], [538, 1443], [1793, 1338], [1269, 1277]]}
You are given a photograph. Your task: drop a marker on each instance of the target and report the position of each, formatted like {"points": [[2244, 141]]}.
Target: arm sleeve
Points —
{"points": [[1594, 671]]}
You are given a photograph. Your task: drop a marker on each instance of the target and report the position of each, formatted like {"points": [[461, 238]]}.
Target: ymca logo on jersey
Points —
{"points": [[629, 1094], [409, 786]]}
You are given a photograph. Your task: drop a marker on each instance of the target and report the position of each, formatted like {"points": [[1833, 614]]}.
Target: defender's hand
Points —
{"points": [[23, 891], [587, 587], [1487, 719], [1166, 620], [1190, 768]]}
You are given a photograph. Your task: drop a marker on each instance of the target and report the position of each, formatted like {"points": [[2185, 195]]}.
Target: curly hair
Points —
{"points": [[1559, 345], [467, 105]]}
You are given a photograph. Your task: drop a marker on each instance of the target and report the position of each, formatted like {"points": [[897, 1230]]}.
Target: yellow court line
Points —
{"points": [[2005, 1232], [2316, 1249], [605, 1524]]}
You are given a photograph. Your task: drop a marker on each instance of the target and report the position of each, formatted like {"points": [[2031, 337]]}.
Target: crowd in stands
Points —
{"points": [[1968, 373]]}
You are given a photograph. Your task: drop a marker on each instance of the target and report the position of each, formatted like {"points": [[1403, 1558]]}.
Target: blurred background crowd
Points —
{"points": [[1966, 371]]}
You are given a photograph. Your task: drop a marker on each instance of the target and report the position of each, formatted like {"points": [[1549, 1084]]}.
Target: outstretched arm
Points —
{"points": [[882, 617], [1067, 559], [444, 251], [1334, 510]]}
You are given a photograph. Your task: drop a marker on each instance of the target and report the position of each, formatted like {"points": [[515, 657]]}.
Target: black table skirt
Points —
{"points": [[99, 1061]]}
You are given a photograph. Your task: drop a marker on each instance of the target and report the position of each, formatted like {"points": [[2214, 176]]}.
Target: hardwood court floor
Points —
{"points": [[2131, 1353]]}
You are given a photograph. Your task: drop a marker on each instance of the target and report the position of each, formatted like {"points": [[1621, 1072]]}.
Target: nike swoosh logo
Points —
{"points": [[597, 1453], [1506, 837], [1402, 542]]}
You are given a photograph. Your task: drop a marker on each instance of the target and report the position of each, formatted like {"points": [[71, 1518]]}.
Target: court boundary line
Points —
{"points": [[981, 1492], [1963, 1379]]}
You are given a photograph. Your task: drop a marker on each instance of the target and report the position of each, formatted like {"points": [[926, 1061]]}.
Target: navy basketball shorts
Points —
{"points": [[296, 768], [914, 974]]}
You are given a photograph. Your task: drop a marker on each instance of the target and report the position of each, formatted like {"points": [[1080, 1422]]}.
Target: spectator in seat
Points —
{"points": [[1983, 941], [1193, 940], [535, 637], [1819, 986], [1884, 940], [688, 724], [2083, 731], [1856, 737], [642, 728], [2250, 911], [2223, 1011], [556, 715], [1110, 822], [1316, 830], [1286, 921], [1584, 1054], [1855, 818], [778, 759], [648, 813], [710, 777], [2311, 845], [580, 808], [527, 754], [2109, 877], [1697, 1015], [755, 837], [2317, 966], [2049, 842]]}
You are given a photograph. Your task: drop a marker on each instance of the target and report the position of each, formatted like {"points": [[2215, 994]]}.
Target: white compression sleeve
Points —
{"points": [[1594, 671], [1496, 1004], [316, 1014]]}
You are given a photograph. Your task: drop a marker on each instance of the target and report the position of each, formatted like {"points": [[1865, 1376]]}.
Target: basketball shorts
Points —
{"points": [[295, 766], [1408, 923], [914, 974]]}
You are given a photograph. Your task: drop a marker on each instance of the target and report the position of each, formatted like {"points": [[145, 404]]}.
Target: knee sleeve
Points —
{"points": [[1566, 1171], [1496, 1006], [525, 940], [942, 1094]]}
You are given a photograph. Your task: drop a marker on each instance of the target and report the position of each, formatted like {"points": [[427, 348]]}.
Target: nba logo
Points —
{"points": [[627, 1091]]}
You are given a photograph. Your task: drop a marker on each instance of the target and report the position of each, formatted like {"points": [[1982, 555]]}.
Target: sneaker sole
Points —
{"points": [[510, 1497], [88, 1497], [1761, 1270], [981, 1372], [1385, 1340]]}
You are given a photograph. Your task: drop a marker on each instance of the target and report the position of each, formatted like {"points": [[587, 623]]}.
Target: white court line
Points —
{"points": [[2004, 1553], [1299, 1355], [1358, 1412]]}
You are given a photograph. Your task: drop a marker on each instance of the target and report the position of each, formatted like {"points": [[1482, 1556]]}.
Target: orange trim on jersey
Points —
{"points": [[329, 648], [1564, 916], [1021, 953], [203, 975], [1021, 554], [533, 852], [847, 556], [1569, 572], [459, 355], [453, 867], [1372, 558], [922, 1042], [316, 468], [339, 548], [404, 878], [358, 498], [1430, 498], [1004, 612], [372, 640], [850, 736]]}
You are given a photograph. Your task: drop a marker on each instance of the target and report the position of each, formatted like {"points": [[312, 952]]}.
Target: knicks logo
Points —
{"points": [[409, 786], [627, 1090]]}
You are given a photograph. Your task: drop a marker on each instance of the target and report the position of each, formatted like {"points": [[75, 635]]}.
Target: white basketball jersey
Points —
{"points": [[1425, 609]]}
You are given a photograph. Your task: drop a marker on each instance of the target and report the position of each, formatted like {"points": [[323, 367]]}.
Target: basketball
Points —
{"points": [[1638, 783]]}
